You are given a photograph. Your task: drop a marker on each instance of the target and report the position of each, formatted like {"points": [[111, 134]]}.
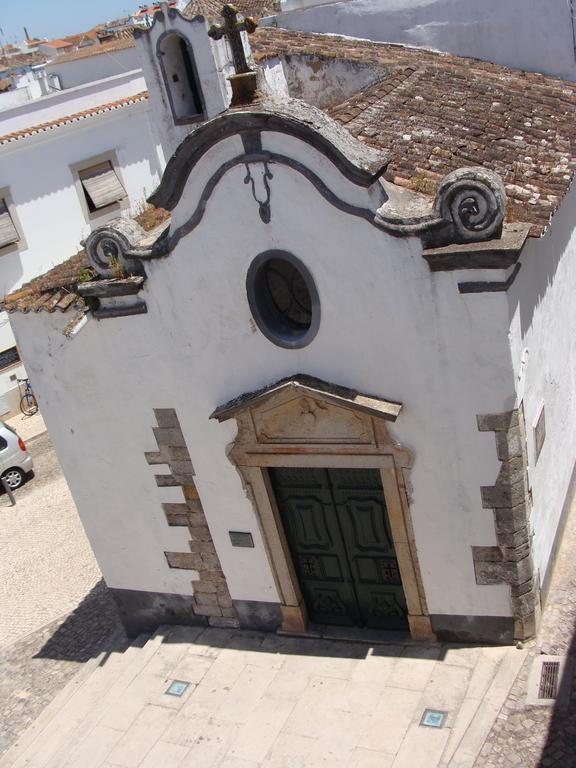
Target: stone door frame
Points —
{"points": [[288, 439]]}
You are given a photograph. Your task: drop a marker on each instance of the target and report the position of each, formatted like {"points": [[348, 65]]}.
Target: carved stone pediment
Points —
{"points": [[304, 419], [303, 415]]}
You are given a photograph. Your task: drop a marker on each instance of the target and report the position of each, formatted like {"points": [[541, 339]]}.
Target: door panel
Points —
{"points": [[305, 503], [338, 531], [361, 508]]}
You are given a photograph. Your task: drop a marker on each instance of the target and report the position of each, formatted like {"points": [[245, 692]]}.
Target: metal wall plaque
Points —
{"points": [[241, 539]]}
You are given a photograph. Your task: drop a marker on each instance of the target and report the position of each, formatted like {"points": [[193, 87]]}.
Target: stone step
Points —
{"points": [[76, 700], [105, 699], [482, 718]]}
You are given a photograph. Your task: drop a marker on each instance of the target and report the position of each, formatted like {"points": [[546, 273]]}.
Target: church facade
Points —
{"points": [[317, 395]]}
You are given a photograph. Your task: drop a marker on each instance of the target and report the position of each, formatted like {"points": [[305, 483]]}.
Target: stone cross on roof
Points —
{"points": [[231, 30]]}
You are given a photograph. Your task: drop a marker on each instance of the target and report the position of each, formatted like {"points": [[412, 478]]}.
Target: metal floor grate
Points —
{"points": [[550, 681], [549, 674]]}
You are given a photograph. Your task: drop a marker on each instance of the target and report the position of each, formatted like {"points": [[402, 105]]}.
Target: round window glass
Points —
{"points": [[283, 299]]}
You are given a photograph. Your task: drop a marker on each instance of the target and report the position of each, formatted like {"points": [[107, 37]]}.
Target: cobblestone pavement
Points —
{"points": [[46, 564], [55, 612], [34, 669], [542, 737]]}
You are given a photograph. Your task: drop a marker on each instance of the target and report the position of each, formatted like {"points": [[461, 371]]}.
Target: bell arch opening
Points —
{"points": [[180, 78]]}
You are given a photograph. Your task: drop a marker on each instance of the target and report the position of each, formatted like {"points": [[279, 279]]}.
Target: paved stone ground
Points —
{"points": [[34, 669], [55, 612], [27, 426], [266, 701], [46, 564], [47, 569], [541, 737]]}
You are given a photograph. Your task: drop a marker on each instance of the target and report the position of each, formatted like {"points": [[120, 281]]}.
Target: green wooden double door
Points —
{"points": [[338, 531]]}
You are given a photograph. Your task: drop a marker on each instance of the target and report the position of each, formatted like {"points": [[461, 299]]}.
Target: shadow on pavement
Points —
{"points": [[94, 626], [87, 631]]}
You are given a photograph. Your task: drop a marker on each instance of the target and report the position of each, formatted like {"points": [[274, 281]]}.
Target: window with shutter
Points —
{"points": [[8, 232], [101, 186], [9, 357]]}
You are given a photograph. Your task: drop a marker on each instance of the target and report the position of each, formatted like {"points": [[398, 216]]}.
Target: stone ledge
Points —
{"points": [[499, 253]]}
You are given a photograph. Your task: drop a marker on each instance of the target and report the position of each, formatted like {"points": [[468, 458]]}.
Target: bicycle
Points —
{"points": [[28, 404]]}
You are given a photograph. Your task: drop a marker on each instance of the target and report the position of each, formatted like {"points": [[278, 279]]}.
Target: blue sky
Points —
{"points": [[53, 18]]}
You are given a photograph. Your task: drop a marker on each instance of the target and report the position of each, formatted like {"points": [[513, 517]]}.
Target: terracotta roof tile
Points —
{"points": [[57, 43], [22, 60], [95, 50], [436, 112], [56, 289], [74, 118], [211, 9]]}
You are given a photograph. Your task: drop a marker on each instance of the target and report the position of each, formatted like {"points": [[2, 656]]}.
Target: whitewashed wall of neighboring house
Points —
{"points": [[524, 34], [72, 100], [543, 337], [389, 327], [14, 98], [332, 83], [45, 197], [96, 67], [37, 172]]}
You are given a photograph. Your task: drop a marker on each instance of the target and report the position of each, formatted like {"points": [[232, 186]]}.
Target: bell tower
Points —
{"points": [[186, 71]]}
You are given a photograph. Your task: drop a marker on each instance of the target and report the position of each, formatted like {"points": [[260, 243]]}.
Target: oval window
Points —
{"points": [[283, 299]]}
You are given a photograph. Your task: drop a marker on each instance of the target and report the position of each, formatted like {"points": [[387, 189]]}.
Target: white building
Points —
{"points": [[525, 34], [339, 383], [84, 148]]}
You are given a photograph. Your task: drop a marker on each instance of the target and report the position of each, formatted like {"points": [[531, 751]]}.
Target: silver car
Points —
{"points": [[15, 461]]}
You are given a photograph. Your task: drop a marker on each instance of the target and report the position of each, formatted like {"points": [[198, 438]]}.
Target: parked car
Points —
{"points": [[15, 461]]}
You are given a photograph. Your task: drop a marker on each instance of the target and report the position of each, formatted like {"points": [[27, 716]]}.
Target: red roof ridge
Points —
{"points": [[75, 117], [95, 50]]}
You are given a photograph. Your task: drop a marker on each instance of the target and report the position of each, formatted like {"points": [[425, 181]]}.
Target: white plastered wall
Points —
{"points": [[95, 67], [389, 327], [212, 67], [49, 210], [543, 342], [524, 34]]}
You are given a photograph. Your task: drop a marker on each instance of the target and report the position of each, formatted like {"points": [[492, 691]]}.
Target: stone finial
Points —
{"points": [[244, 81], [231, 30]]}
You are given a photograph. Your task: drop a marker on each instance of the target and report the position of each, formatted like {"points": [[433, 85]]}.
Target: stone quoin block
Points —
{"points": [[508, 444], [180, 560], [514, 539], [211, 599], [503, 495], [497, 422], [166, 481], [510, 562], [169, 437], [157, 457], [512, 471], [487, 554], [177, 453], [190, 492], [166, 418], [511, 519]]}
